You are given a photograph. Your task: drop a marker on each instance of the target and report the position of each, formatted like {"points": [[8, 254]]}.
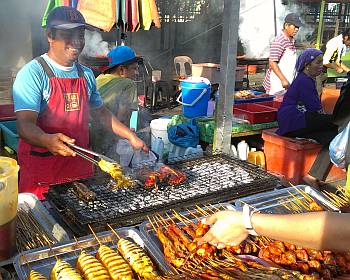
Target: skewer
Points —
{"points": [[181, 217], [95, 236], [112, 229], [169, 217], [189, 211], [149, 219], [202, 211]]}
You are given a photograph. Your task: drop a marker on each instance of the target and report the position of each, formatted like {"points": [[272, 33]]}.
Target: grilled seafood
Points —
{"points": [[64, 271], [166, 175], [34, 275], [137, 258], [116, 173], [83, 192], [91, 268], [117, 267]]}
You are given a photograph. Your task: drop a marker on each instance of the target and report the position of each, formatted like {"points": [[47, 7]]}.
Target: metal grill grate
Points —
{"points": [[211, 179]]}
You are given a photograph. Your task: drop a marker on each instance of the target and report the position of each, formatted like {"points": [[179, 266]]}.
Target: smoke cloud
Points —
{"points": [[257, 25], [94, 45]]}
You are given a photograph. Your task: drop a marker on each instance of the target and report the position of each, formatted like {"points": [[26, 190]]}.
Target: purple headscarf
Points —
{"points": [[305, 58]]}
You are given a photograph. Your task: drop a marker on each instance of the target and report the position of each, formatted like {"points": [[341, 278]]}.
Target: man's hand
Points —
{"points": [[138, 144], [339, 70], [55, 143], [227, 229], [285, 83]]}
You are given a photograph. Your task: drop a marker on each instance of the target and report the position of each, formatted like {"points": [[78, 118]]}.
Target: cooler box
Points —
{"points": [[9, 134], [293, 158], [255, 113]]}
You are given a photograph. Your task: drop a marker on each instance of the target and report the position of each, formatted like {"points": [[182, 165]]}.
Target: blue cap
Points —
{"points": [[121, 55], [65, 17]]}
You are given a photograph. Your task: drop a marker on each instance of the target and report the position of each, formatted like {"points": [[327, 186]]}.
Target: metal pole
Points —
{"points": [[223, 115], [274, 16], [320, 25]]}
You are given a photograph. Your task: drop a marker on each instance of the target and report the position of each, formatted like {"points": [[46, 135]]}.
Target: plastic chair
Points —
{"points": [[183, 66]]}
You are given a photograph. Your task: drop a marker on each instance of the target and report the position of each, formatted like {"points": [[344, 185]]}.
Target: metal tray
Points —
{"points": [[43, 259], [148, 232], [31, 201], [273, 201]]}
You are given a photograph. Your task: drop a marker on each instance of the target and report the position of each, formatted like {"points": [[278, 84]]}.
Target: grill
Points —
{"points": [[210, 179]]}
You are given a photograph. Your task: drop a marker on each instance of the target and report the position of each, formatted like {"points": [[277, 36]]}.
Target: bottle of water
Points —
{"points": [[158, 148], [242, 150]]}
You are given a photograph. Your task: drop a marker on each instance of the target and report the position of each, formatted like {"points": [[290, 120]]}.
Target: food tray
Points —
{"points": [[148, 233], [43, 259], [252, 100], [273, 201], [255, 113]]}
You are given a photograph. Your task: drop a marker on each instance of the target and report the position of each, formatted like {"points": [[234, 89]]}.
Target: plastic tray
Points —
{"points": [[148, 232], [43, 259], [273, 202], [9, 134], [31, 201], [273, 104], [255, 113], [253, 100]]}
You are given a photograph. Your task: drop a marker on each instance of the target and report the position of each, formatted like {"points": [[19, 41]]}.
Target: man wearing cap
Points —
{"points": [[119, 93], [282, 57], [53, 98], [335, 49]]}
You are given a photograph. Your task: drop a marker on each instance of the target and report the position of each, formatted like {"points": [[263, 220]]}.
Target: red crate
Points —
{"points": [[7, 112], [255, 113], [273, 103]]}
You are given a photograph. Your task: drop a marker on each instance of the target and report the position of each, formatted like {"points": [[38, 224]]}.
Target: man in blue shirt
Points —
{"points": [[53, 98]]}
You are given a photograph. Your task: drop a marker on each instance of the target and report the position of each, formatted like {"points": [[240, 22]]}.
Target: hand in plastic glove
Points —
{"points": [[138, 144], [227, 229]]}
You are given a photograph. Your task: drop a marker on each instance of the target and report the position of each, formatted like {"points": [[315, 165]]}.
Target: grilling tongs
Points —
{"points": [[79, 151]]}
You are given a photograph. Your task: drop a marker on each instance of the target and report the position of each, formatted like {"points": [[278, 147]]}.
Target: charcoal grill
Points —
{"points": [[210, 179]]}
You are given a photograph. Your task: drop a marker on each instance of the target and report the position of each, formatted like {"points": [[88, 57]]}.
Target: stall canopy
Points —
{"points": [[128, 15]]}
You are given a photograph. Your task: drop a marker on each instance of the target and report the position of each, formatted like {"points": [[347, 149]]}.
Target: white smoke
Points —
{"points": [[257, 25], [94, 45]]}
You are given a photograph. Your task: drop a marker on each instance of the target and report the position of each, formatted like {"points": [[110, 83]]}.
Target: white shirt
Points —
{"points": [[335, 49]]}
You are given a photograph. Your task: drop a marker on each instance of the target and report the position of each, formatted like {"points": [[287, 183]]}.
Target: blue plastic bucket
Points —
{"points": [[195, 96]]}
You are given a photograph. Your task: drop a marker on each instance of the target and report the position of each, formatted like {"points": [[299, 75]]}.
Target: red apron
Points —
{"points": [[67, 112]]}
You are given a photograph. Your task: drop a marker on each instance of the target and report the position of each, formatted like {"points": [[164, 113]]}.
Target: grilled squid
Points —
{"points": [[64, 271], [34, 275], [117, 267], [137, 258], [91, 268]]}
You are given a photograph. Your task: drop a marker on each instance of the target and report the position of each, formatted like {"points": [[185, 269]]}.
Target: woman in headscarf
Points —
{"points": [[301, 114]]}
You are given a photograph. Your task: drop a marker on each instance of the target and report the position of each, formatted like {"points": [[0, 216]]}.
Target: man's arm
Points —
{"points": [[112, 123], [275, 68], [33, 134], [317, 230]]}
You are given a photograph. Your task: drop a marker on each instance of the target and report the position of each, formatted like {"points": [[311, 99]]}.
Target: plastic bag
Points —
{"points": [[184, 135], [338, 147]]}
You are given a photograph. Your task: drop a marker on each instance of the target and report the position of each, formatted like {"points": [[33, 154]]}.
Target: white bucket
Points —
{"points": [[159, 129]]}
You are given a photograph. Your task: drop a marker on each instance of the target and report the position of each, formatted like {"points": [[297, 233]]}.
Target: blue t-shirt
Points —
{"points": [[31, 89], [300, 97]]}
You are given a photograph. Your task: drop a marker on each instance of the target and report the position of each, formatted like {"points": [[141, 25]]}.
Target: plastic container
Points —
{"points": [[194, 152], [273, 103], [211, 108], [233, 151], [158, 148], [125, 151], [257, 158], [141, 158], [9, 134], [292, 158], [242, 150], [195, 94], [159, 129], [255, 113], [8, 206]]}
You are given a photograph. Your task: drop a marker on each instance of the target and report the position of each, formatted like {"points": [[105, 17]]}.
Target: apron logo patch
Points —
{"points": [[71, 102]]}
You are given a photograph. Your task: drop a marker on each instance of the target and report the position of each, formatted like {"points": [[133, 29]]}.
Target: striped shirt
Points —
{"points": [[277, 48]]}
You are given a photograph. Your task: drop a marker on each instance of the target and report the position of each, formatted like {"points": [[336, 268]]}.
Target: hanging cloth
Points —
{"points": [[123, 14], [145, 14], [135, 15], [128, 16], [66, 3], [51, 4], [100, 14], [154, 13], [74, 3]]}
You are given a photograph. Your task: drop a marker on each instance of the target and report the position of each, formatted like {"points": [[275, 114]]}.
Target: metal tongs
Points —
{"points": [[79, 151]]}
